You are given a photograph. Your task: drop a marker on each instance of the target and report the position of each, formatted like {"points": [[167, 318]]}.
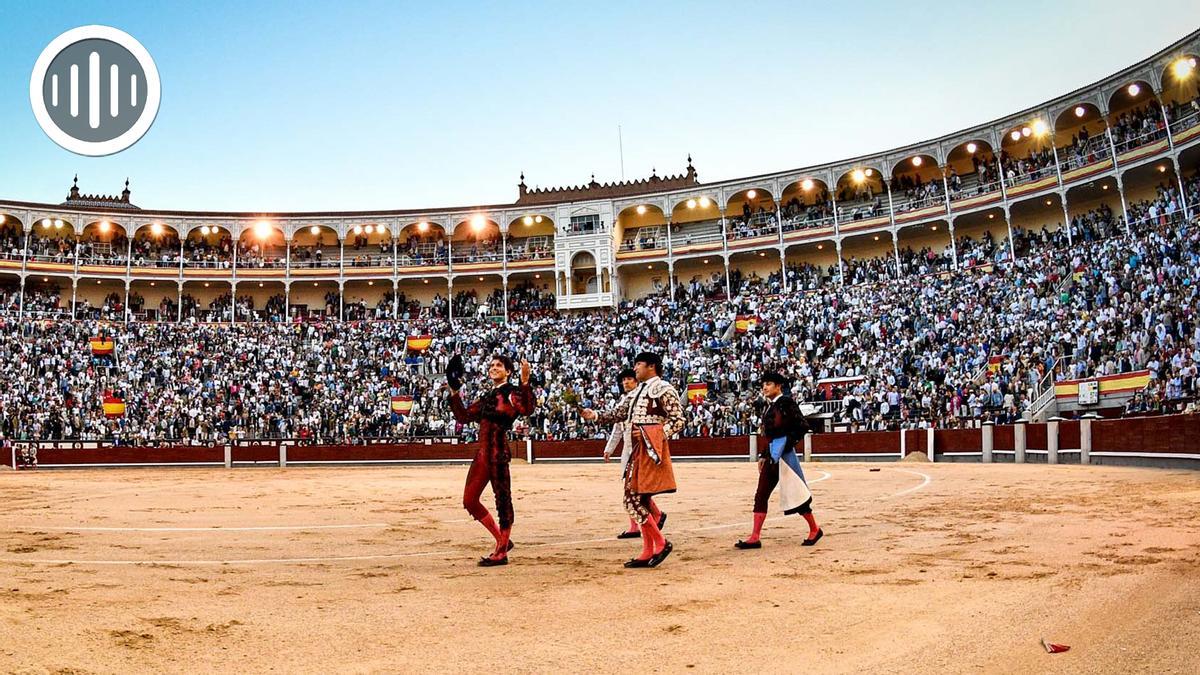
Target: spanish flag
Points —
{"points": [[402, 405], [697, 392], [1123, 383], [114, 406], [994, 364], [745, 322], [418, 343], [102, 345]]}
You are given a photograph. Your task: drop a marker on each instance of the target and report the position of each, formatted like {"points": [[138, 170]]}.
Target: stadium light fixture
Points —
{"points": [[806, 184], [869, 172], [46, 224], [314, 283], [1040, 128], [1183, 67], [762, 255], [1104, 187], [156, 229], [876, 237], [641, 209], [1015, 135], [260, 284], [478, 222], [104, 226], [204, 230], [44, 279], [934, 228], [528, 220], [704, 202], [206, 284], [58, 224], [369, 229], [1026, 132], [537, 276], [263, 229], [1162, 168], [916, 161], [705, 261], [691, 203], [752, 194], [422, 226], [1080, 111], [537, 219], [1048, 202], [370, 283], [1134, 89], [991, 216], [971, 148], [426, 281], [858, 175], [97, 282], [649, 267], [151, 283], [358, 229], [820, 247]]}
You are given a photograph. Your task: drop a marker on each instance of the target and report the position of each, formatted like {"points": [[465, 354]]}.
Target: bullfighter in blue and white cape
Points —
{"points": [[783, 428]]}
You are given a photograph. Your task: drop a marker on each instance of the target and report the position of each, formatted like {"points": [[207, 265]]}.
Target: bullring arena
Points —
{"points": [[234, 441], [947, 566]]}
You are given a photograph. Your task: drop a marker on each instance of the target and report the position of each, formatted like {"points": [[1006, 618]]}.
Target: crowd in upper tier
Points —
{"points": [[875, 344]]}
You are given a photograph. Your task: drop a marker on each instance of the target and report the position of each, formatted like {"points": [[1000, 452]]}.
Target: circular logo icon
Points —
{"points": [[95, 90]]}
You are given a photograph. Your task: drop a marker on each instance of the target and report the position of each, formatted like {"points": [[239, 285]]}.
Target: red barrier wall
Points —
{"points": [[680, 447], [915, 440], [1068, 435], [863, 442], [255, 452], [1002, 438], [1035, 436], [1171, 434], [383, 452], [175, 454], [958, 440]]}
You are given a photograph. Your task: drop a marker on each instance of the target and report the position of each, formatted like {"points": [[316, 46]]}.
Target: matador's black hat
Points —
{"points": [[650, 359], [776, 378]]}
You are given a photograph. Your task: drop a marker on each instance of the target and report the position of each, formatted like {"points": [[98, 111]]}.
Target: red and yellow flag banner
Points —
{"points": [[402, 404], [114, 406], [1109, 384], [418, 343], [697, 392], [994, 364], [102, 346], [745, 322]]}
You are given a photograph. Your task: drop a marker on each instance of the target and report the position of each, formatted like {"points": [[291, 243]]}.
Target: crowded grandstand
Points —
{"points": [[940, 285]]}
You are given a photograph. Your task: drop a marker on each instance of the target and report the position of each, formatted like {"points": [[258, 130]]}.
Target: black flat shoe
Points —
{"points": [[637, 562], [656, 560], [662, 520], [810, 542], [629, 535], [511, 546], [492, 562], [744, 545]]}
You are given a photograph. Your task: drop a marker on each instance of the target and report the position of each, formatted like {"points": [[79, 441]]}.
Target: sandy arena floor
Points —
{"points": [[948, 568]]}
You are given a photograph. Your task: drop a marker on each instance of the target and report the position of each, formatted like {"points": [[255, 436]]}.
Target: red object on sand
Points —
{"points": [[1053, 648]]}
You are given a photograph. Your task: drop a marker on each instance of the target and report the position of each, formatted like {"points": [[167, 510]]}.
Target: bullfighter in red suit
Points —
{"points": [[495, 411]]}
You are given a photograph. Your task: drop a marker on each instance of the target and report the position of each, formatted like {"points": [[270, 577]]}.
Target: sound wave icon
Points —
{"points": [[95, 90], [94, 84]]}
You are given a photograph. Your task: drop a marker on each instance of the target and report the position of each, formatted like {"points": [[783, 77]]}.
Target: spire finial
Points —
{"points": [[76, 181]]}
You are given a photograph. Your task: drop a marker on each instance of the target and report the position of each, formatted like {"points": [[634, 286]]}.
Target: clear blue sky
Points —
{"points": [[357, 105]]}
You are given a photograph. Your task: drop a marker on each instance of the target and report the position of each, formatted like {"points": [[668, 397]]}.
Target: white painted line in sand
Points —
{"points": [[926, 481]]}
